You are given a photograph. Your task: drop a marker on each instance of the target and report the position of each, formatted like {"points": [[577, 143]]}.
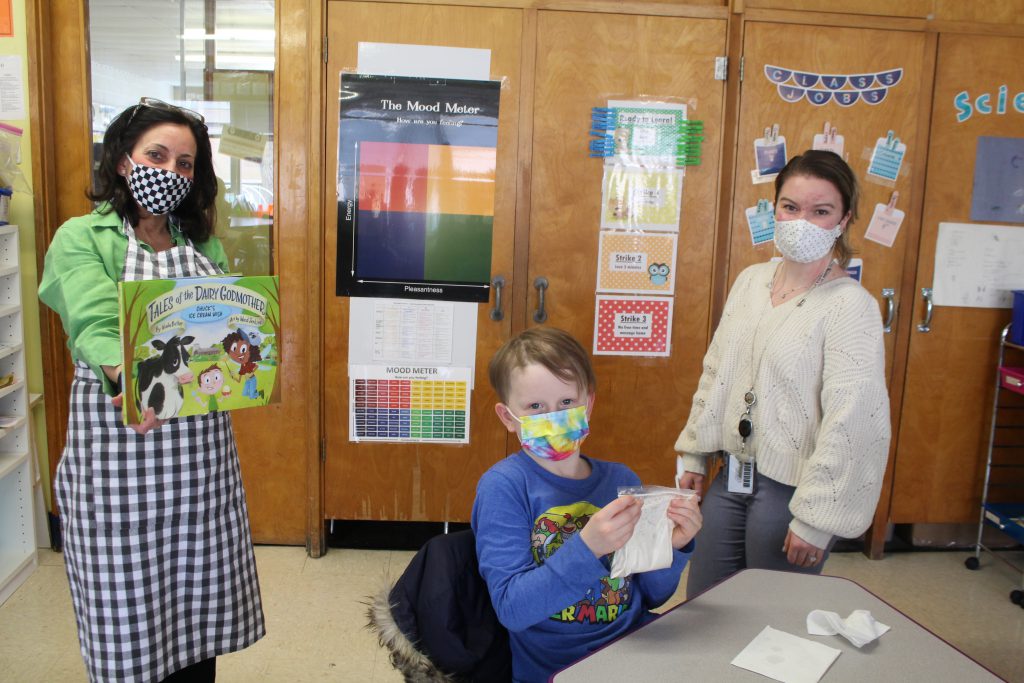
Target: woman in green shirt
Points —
{"points": [[155, 526]]}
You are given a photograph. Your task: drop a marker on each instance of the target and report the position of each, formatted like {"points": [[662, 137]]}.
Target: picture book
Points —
{"points": [[199, 344]]}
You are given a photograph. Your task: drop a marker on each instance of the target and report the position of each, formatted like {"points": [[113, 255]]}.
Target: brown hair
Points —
{"points": [[555, 349], [197, 212], [210, 369], [816, 163]]}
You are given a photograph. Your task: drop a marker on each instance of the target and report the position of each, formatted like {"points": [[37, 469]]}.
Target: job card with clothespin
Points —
{"points": [[769, 155], [885, 223], [887, 157], [761, 221], [829, 140]]}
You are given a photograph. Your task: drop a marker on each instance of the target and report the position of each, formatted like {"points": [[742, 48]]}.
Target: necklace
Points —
{"points": [[783, 294], [746, 423]]}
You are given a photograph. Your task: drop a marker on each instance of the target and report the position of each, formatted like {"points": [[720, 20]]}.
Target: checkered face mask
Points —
{"points": [[157, 190]]}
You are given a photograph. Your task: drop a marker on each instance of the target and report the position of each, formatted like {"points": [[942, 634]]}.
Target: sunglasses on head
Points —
{"points": [[154, 103]]}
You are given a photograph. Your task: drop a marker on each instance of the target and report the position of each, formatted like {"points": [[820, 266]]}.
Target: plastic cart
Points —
{"points": [[1004, 461]]}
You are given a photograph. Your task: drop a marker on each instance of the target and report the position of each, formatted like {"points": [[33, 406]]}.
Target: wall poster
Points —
{"points": [[978, 266], [998, 193], [633, 326], [636, 262], [416, 168], [409, 404]]}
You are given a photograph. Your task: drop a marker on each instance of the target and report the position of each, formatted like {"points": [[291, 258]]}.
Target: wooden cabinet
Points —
{"points": [[395, 481], [17, 526], [555, 66], [584, 59], [839, 51], [943, 432], [557, 60]]}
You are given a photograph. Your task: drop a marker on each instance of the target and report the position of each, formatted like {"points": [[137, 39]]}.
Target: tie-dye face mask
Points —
{"points": [[554, 436]]}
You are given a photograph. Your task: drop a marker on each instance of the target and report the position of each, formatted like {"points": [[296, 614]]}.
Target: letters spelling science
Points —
{"points": [[197, 345]]}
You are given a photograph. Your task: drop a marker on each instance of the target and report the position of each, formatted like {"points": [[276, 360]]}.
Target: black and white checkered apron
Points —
{"points": [[156, 530]]}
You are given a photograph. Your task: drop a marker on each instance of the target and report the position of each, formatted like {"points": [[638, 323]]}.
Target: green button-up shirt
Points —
{"points": [[83, 266]]}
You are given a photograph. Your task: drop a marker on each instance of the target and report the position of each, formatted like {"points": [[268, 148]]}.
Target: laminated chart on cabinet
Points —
{"points": [[978, 266], [409, 404]]}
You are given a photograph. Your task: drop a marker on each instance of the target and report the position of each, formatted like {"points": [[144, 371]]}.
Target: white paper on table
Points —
{"points": [[784, 657]]}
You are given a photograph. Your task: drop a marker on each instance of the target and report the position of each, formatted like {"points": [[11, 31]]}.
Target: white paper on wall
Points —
{"points": [[978, 266]]}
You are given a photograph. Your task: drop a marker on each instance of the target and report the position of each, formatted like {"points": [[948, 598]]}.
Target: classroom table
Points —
{"points": [[697, 639]]}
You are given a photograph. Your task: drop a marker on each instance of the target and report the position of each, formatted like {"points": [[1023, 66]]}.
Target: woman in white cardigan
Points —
{"points": [[793, 395]]}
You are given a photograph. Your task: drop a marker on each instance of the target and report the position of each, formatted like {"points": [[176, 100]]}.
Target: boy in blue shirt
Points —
{"points": [[548, 518]]}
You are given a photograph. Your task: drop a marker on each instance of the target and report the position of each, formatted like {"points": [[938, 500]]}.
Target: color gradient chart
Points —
{"points": [[429, 404], [417, 161], [424, 212]]}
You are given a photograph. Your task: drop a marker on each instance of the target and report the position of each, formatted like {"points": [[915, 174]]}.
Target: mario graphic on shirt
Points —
{"points": [[601, 604]]}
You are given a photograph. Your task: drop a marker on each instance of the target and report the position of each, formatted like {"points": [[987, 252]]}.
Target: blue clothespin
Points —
{"points": [[603, 118], [602, 147]]}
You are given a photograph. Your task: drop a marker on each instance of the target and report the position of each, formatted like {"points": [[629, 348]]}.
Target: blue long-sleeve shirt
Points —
{"points": [[548, 589]]}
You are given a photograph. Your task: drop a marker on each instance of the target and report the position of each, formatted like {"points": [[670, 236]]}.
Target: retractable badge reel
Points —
{"points": [[741, 474]]}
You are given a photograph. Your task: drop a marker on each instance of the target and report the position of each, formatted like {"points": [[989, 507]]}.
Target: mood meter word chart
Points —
{"points": [[409, 404]]}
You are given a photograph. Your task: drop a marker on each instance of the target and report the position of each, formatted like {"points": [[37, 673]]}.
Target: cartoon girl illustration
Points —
{"points": [[241, 350]]}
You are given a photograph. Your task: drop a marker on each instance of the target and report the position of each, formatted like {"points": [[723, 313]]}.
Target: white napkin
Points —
{"points": [[860, 628], [650, 546], [785, 657]]}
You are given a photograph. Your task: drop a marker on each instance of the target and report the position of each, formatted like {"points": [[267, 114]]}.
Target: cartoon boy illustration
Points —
{"points": [[241, 350], [211, 383]]}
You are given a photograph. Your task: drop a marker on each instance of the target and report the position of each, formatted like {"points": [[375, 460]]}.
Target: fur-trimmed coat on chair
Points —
{"points": [[437, 621]]}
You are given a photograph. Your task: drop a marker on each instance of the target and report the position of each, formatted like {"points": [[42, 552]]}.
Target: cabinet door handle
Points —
{"points": [[926, 325], [540, 315], [889, 294], [498, 283]]}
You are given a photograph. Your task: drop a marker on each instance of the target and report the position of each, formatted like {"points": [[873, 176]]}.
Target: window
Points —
{"points": [[217, 58]]}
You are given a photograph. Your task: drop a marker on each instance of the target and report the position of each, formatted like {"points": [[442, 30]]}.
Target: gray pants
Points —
{"points": [[743, 531]]}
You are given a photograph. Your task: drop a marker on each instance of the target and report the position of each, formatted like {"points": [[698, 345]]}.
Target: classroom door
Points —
{"points": [[784, 67], [273, 460], [410, 481], [944, 428], [583, 60]]}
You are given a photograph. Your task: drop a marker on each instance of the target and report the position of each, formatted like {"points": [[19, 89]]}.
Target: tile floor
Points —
{"points": [[315, 619]]}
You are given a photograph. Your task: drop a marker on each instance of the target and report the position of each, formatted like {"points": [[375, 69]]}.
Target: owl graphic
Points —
{"points": [[658, 273]]}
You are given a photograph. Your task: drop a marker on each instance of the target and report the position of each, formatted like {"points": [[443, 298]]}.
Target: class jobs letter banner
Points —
{"points": [[416, 166]]}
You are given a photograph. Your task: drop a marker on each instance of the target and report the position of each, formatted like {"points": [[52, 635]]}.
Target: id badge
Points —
{"points": [[741, 476]]}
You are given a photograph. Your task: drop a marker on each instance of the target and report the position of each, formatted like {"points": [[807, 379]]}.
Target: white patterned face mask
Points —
{"points": [[804, 242], [157, 190]]}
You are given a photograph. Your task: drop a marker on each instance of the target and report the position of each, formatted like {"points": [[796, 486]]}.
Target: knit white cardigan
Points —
{"points": [[821, 421]]}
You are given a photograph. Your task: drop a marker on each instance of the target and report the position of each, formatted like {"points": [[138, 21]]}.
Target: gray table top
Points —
{"points": [[698, 639]]}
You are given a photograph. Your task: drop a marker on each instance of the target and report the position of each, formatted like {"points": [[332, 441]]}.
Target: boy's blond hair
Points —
{"points": [[555, 349]]}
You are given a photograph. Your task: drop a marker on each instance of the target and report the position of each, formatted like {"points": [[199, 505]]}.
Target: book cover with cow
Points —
{"points": [[199, 344]]}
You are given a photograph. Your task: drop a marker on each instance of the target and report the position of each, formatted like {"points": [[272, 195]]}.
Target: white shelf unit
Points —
{"points": [[17, 523]]}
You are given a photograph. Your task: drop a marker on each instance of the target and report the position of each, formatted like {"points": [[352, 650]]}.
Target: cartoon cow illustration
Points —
{"points": [[160, 378]]}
